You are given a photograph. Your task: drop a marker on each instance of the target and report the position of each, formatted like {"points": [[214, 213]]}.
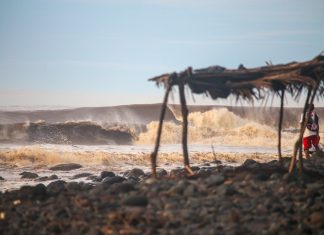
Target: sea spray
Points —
{"points": [[217, 127]]}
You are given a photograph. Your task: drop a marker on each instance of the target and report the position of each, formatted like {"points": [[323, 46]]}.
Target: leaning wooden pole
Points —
{"points": [[301, 133], [184, 111], [305, 120], [159, 132], [282, 97]]}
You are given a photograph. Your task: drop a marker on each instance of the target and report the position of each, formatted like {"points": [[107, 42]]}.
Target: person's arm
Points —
{"points": [[301, 118]]}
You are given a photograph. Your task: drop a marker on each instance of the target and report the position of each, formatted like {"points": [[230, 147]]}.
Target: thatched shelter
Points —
{"points": [[248, 84]]}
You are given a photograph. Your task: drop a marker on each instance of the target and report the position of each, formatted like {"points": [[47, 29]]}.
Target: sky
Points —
{"points": [[102, 52]]}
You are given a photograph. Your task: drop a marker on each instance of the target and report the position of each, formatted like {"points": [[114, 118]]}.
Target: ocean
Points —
{"points": [[120, 138]]}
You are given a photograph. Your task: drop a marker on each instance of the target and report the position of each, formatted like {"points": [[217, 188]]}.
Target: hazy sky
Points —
{"points": [[101, 52]]}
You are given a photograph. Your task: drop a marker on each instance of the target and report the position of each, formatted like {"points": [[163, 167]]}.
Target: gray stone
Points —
{"points": [[56, 187], [227, 190], [137, 200], [73, 186], [161, 173], [275, 176], [94, 178], [122, 187], [214, 180], [105, 174], [262, 176], [28, 175], [48, 178], [177, 172], [135, 173], [40, 190], [65, 167], [112, 180], [81, 175], [1, 178], [250, 163]]}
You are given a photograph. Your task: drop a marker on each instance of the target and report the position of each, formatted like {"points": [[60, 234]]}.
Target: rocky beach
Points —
{"points": [[88, 171], [253, 198]]}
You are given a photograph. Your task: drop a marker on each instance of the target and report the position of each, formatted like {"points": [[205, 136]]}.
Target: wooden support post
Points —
{"points": [[282, 97], [184, 111], [300, 160], [300, 137], [159, 132], [300, 157], [298, 144]]}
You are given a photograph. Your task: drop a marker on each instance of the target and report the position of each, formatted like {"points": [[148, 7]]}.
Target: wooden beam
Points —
{"points": [[159, 132], [184, 111]]}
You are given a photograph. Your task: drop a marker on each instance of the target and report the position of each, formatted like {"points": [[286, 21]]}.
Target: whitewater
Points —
{"points": [[122, 137]]}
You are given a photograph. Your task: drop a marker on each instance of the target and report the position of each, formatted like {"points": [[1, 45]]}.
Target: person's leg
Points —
{"points": [[307, 144], [316, 140]]}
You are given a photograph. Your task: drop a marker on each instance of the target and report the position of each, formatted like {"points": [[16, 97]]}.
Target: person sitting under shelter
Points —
{"points": [[311, 134]]}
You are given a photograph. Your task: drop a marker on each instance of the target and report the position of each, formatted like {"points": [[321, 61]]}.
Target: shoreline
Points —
{"points": [[253, 198], [13, 163]]}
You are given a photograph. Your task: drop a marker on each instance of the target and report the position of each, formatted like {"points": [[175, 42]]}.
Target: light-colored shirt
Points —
{"points": [[307, 131]]}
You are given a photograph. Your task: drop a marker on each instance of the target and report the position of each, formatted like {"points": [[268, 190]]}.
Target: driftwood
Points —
{"points": [[249, 84]]}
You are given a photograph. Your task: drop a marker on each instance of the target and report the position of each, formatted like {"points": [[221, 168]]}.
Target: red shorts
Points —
{"points": [[308, 141]]}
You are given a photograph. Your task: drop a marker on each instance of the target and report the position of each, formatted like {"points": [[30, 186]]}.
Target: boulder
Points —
{"points": [[112, 180], [56, 187], [48, 178], [134, 173], [81, 175], [28, 175], [250, 163], [177, 172], [105, 174], [161, 173], [65, 167]]}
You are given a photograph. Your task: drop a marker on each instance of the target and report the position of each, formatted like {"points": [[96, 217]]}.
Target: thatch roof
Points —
{"points": [[219, 82]]}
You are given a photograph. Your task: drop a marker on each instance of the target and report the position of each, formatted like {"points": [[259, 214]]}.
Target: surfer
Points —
{"points": [[311, 134]]}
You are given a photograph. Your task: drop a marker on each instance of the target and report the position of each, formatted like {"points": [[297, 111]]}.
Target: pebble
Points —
{"points": [[233, 201], [136, 200], [227, 190], [1, 178], [122, 187], [316, 218], [214, 180]]}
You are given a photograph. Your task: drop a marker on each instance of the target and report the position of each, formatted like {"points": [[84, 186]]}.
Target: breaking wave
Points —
{"points": [[217, 127], [87, 133], [137, 124]]}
